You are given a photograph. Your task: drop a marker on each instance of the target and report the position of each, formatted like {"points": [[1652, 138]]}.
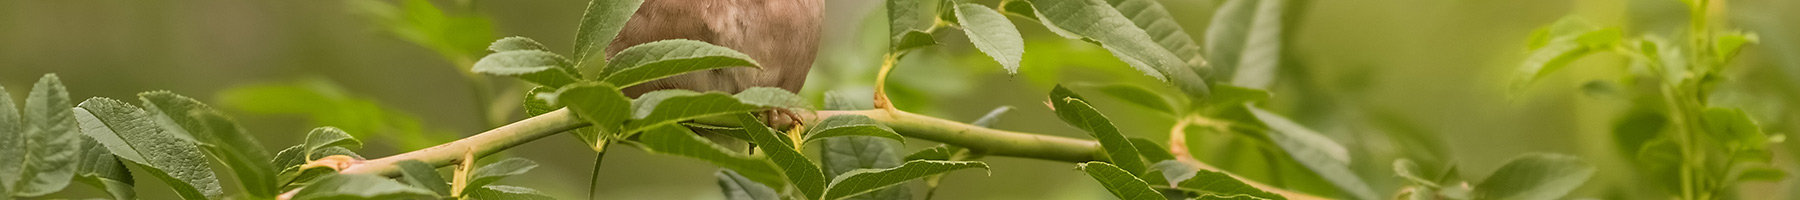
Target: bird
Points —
{"points": [[781, 35]]}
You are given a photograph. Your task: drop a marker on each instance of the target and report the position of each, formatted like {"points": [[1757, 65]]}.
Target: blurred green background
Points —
{"points": [[1387, 78]]}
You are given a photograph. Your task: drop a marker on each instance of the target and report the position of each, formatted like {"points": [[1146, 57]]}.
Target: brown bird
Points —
{"points": [[782, 35]]}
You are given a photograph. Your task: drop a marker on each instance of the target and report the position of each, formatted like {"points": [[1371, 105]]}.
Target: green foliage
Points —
{"points": [[1121, 183], [845, 154], [909, 25], [319, 143], [800, 171], [506, 192], [1536, 176], [419, 174], [536, 66], [1075, 110], [661, 59], [598, 103], [850, 125], [457, 37], [675, 140], [327, 104], [861, 181], [992, 33], [360, 186], [1317, 152], [1156, 21], [498, 170], [219, 136], [1216, 185], [736, 187], [600, 23], [99, 168], [133, 135], [42, 147]]}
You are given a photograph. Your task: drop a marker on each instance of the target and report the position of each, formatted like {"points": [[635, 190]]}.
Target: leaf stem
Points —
{"points": [[887, 66]]}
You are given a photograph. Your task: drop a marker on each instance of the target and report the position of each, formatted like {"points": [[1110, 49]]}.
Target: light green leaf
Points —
{"points": [[1173, 172], [322, 137], [506, 192], [848, 125], [1020, 8], [360, 186], [130, 133], [666, 107], [12, 134], [1316, 152], [1245, 40], [1121, 183], [221, 137], [907, 22], [599, 25], [939, 152], [1155, 20], [736, 187], [1566, 43], [535, 66], [45, 151], [659, 59], [1230, 95], [1728, 43], [537, 101], [772, 97], [1406, 168], [1095, 20], [913, 39], [600, 104], [454, 35], [799, 170], [1075, 111], [421, 175], [1735, 129], [516, 43], [861, 181], [1535, 176], [1136, 95], [498, 170], [842, 155], [99, 168], [1218, 185], [676, 140]]}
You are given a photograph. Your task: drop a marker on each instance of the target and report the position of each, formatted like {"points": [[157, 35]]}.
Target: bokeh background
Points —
{"points": [[1388, 78]]}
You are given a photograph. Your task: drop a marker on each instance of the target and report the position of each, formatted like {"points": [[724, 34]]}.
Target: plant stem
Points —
{"points": [[594, 179], [482, 144], [887, 66]]}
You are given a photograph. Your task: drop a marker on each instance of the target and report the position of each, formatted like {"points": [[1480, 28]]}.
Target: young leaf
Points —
{"points": [[1728, 44], [599, 25], [1122, 184], [516, 43], [842, 155], [419, 174], [1225, 95], [736, 187], [993, 34], [536, 66], [360, 186], [222, 139], [1075, 111], [1535, 176], [799, 170], [1558, 51], [1218, 185], [1156, 21], [600, 104], [506, 192], [666, 107], [498, 170], [861, 181], [99, 168], [537, 101], [676, 140], [1316, 152], [45, 152], [659, 59], [1095, 20], [848, 125], [129, 133]]}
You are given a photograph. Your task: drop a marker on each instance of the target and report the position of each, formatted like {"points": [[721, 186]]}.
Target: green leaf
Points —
{"points": [[12, 133], [599, 25], [360, 186], [1318, 153], [1406, 168], [1020, 8], [1075, 111], [666, 107], [1121, 183], [498, 170], [1727, 44], [676, 140], [1150, 150], [516, 43], [848, 125], [455, 35], [1244, 41], [861, 181], [736, 187], [221, 137], [772, 97], [1565, 43], [322, 137], [44, 150], [598, 103], [1218, 185], [1173, 172], [1735, 129], [1095, 20], [99, 168], [1535, 176], [660, 59], [907, 24], [1230, 95], [535, 66], [536, 102], [1156, 21], [1134, 94], [506, 192], [842, 155], [419, 174], [130, 133], [799, 170]]}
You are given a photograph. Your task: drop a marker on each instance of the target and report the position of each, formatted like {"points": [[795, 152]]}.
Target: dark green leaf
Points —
{"points": [[1122, 184], [1075, 111], [907, 23], [1150, 150], [1218, 185], [861, 181], [676, 140], [1155, 20], [835, 101], [1021, 8], [1095, 20], [537, 101], [1245, 40], [1136, 95], [506, 192], [600, 104], [1231, 95], [913, 39], [129, 133], [772, 97], [666, 107], [516, 43], [1535, 176], [659, 59], [421, 175], [221, 137], [1318, 153], [736, 187], [99, 168], [1728, 43], [1559, 44], [799, 170], [322, 137], [454, 35], [536, 66], [848, 125], [498, 170], [599, 25], [1173, 172], [325, 104], [360, 186], [44, 152], [842, 155]]}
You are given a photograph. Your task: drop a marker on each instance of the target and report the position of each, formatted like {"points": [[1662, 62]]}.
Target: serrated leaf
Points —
{"points": [[221, 137], [507, 192], [1136, 95], [600, 23], [360, 186], [907, 23], [772, 97], [844, 154], [861, 181], [676, 140], [848, 125], [537, 101], [498, 170], [1155, 20], [535, 66], [45, 149], [1119, 182], [1218, 185], [1075, 111], [1316, 152], [665, 107], [799, 170], [99, 168], [598, 103], [516, 43], [1535, 176], [1095, 20], [656, 60], [421, 175], [736, 187], [129, 133], [1150, 150], [322, 137], [1020, 8]]}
